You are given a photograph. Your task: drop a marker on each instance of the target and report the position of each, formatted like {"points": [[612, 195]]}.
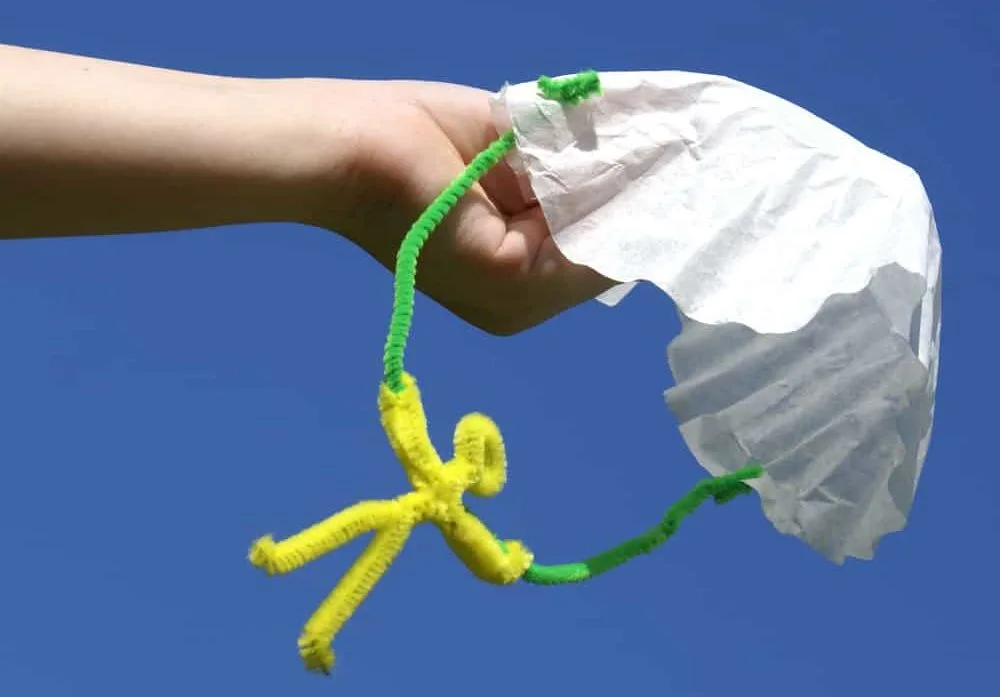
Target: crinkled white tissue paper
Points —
{"points": [[805, 267]]}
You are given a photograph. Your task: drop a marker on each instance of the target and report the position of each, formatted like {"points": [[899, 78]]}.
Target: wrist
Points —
{"points": [[300, 154], [328, 144]]}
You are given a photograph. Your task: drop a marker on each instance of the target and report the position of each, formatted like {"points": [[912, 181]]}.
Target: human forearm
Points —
{"points": [[94, 147]]}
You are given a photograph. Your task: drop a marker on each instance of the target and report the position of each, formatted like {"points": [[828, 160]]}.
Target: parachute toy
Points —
{"points": [[806, 270]]}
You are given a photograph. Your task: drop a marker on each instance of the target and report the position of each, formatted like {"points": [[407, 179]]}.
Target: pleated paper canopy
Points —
{"points": [[805, 267]]}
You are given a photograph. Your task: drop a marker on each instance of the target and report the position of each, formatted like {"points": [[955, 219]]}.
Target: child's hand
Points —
{"points": [[492, 261]]}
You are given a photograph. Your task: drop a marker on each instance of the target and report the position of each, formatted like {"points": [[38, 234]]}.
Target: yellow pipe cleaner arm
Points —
{"points": [[478, 466]]}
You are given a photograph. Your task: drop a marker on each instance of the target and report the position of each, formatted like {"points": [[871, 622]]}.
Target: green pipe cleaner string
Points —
{"points": [[722, 489], [409, 250]]}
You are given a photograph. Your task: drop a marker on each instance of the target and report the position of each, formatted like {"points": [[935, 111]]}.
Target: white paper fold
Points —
{"points": [[805, 267]]}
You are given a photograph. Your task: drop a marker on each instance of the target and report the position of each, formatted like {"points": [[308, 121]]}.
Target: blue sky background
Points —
{"points": [[168, 398]]}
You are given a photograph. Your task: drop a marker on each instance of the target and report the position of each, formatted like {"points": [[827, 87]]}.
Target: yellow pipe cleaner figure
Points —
{"points": [[478, 464]]}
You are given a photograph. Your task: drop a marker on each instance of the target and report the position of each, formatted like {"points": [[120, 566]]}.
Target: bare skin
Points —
{"points": [[91, 147]]}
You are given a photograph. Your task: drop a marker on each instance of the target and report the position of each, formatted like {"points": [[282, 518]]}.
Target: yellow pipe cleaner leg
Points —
{"points": [[323, 537], [317, 636]]}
